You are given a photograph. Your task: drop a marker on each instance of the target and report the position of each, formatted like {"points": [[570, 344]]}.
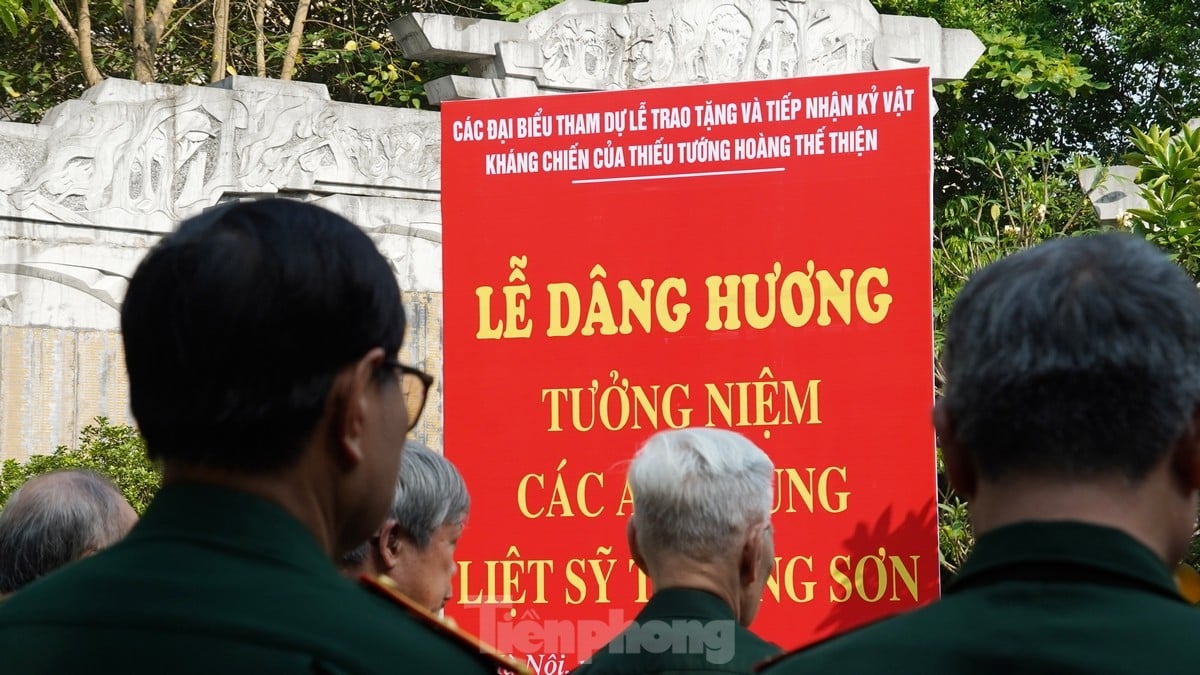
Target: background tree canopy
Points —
{"points": [[1063, 84], [116, 451]]}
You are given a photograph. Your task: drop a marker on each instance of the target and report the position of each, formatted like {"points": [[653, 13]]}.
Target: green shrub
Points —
{"points": [[116, 451]]}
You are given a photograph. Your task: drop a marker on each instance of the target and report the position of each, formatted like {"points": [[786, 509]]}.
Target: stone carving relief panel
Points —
{"points": [[123, 159], [581, 45], [704, 41], [85, 193]]}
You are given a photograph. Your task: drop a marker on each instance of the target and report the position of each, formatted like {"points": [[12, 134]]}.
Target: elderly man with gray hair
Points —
{"points": [[414, 547], [701, 531], [57, 518]]}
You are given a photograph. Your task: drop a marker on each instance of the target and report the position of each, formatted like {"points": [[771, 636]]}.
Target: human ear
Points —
{"points": [[390, 541], [960, 465], [1185, 455], [350, 400], [755, 559], [634, 549]]}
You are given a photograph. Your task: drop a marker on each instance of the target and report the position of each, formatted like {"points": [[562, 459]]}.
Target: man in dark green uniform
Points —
{"points": [[261, 342], [701, 531], [1070, 419]]}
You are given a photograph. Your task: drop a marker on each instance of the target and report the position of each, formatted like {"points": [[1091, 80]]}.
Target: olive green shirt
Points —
{"points": [[681, 630], [1035, 599], [215, 581]]}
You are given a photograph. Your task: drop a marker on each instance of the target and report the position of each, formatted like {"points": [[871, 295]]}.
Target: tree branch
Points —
{"points": [[260, 38], [65, 24], [143, 57], [91, 74], [179, 21], [293, 46], [158, 22], [220, 40]]}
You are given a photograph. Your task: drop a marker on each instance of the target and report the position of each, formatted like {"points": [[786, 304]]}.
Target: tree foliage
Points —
{"points": [[344, 44], [1076, 73], [116, 451], [14, 16], [1168, 166]]}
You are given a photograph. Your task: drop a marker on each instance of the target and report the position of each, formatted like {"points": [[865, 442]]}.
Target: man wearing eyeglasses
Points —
{"points": [[261, 342]]}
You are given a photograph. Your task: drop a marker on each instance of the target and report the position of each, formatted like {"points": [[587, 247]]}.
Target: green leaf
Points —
{"points": [[9, 19]]}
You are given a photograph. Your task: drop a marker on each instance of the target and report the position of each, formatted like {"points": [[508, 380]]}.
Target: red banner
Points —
{"points": [[753, 256]]}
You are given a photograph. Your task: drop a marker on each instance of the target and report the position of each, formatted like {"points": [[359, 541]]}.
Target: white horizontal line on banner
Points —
{"points": [[620, 179]]}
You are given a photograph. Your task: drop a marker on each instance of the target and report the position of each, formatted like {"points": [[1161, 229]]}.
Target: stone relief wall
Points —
{"points": [[582, 45], [85, 193]]}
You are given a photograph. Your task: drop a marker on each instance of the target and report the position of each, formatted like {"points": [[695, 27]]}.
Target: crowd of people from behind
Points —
{"points": [[298, 530]]}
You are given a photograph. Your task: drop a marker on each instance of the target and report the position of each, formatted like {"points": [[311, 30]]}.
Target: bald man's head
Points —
{"points": [[57, 518]]}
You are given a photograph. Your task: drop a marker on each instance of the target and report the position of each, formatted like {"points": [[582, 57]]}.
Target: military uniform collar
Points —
{"points": [[230, 519], [674, 603], [1075, 550]]}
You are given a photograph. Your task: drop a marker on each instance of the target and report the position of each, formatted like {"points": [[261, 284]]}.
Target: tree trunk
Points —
{"points": [[91, 74], [293, 46], [260, 38], [158, 23], [220, 39], [143, 57], [147, 33]]}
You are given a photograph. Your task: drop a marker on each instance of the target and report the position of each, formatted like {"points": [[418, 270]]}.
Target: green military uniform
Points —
{"points": [[681, 630], [214, 581], [1034, 599]]}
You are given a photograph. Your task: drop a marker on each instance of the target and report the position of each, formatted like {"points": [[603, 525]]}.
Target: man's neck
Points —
{"points": [[284, 489], [678, 572], [1113, 503], [365, 568]]}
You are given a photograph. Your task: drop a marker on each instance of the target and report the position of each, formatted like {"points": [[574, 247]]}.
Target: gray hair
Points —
{"points": [[53, 519], [429, 494], [1074, 359], [696, 490]]}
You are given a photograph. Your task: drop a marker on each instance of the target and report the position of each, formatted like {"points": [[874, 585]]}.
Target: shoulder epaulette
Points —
{"points": [[385, 587], [1187, 581]]}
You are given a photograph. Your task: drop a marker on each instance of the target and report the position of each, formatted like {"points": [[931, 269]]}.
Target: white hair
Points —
{"points": [[697, 490]]}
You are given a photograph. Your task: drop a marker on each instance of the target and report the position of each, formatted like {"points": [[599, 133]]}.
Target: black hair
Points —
{"points": [[235, 326], [1074, 359]]}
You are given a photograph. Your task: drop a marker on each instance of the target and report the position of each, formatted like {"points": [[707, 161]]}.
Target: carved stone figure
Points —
{"points": [[126, 162], [582, 45]]}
